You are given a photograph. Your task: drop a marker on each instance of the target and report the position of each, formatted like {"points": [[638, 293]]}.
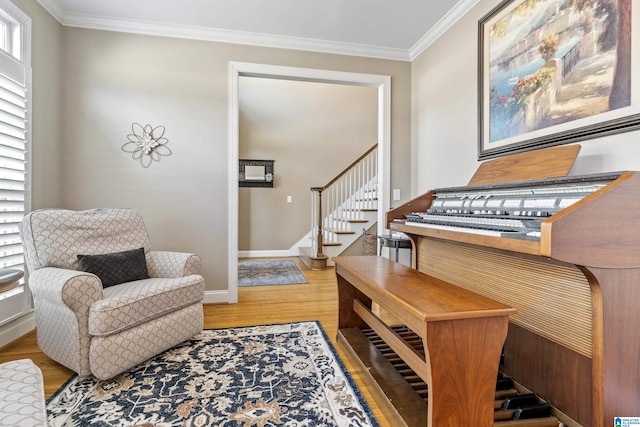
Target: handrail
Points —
{"points": [[346, 170], [345, 197]]}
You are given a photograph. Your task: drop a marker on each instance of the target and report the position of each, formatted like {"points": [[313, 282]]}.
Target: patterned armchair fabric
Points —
{"points": [[105, 331], [21, 395]]}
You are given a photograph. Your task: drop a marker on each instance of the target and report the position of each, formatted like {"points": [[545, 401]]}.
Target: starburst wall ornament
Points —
{"points": [[147, 144]]}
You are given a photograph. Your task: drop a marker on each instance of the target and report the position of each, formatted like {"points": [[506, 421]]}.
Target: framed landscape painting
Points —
{"points": [[556, 71]]}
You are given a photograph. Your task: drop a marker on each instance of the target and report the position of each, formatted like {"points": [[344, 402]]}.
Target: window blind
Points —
{"points": [[14, 115]]}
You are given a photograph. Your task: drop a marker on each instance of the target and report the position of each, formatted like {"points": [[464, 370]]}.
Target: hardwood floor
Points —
{"points": [[316, 300]]}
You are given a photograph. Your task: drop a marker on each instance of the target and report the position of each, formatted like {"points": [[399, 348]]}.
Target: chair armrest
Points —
{"points": [[172, 264], [75, 289]]}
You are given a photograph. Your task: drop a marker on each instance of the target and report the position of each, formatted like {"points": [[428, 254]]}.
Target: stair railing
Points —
{"points": [[335, 205]]}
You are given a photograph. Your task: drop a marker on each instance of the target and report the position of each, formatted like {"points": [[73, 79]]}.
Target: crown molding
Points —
{"points": [[258, 39], [230, 36], [53, 9], [441, 27]]}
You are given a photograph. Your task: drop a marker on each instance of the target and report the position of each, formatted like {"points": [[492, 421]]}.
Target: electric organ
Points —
{"points": [[564, 251]]}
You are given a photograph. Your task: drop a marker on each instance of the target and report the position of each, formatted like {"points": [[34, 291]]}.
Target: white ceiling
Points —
{"points": [[391, 29]]}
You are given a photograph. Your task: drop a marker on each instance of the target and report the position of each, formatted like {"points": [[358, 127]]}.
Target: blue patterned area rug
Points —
{"points": [[263, 273], [263, 376]]}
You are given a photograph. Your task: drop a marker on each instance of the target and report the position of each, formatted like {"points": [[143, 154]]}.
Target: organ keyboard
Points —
{"points": [[565, 253], [512, 210]]}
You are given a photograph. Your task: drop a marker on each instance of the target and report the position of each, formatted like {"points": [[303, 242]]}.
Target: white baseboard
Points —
{"points": [[269, 254], [17, 328], [216, 297]]}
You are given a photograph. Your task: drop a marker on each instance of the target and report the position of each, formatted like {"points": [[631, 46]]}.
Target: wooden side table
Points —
{"points": [[390, 241]]}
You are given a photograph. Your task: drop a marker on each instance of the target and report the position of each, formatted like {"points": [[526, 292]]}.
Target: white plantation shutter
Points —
{"points": [[15, 143], [14, 120]]}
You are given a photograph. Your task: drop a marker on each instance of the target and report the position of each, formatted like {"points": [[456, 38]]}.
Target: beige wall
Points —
{"points": [[113, 79], [444, 114], [312, 131], [46, 62]]}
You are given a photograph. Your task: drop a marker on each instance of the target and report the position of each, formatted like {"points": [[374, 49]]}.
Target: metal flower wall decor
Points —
{"points": [[147, 144]]}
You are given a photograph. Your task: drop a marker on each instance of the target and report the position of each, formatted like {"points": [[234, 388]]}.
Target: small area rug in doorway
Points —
{"points": [[263, 273], [288, 374]]}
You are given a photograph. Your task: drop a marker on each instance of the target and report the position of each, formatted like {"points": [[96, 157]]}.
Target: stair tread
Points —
{"points": [[338, 231]]}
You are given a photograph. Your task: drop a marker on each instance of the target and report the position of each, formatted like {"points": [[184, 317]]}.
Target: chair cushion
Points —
{"points": [[129, 304], [116, 268]]}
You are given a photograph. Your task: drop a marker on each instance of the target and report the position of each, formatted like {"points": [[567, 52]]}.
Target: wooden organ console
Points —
{"points": [[564, 251]]}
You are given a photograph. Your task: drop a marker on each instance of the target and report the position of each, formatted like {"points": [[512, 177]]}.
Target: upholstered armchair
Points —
{"points": [[104, 302]]}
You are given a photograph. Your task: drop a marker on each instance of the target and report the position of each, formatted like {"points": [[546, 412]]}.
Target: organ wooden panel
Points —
{"points": [[552, 299], [552, 329]]}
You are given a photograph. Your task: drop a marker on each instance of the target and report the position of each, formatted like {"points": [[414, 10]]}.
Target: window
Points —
{"points": [[15, 123], [15, 143], [15, 32]]}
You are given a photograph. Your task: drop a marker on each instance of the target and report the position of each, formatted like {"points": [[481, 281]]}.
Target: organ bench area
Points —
{"points": [[563, 251]]}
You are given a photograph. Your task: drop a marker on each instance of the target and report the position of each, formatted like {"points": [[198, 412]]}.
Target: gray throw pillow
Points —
{"points": [[116, 268]]}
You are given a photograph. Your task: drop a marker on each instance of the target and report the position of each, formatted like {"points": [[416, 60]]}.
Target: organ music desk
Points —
{"points": [[564, 251]]}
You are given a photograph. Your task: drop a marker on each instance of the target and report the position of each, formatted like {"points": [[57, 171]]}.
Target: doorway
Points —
{"points": [[236, 70]]}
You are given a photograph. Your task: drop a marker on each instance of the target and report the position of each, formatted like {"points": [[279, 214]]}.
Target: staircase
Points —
{"points": [[340, 211]]}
